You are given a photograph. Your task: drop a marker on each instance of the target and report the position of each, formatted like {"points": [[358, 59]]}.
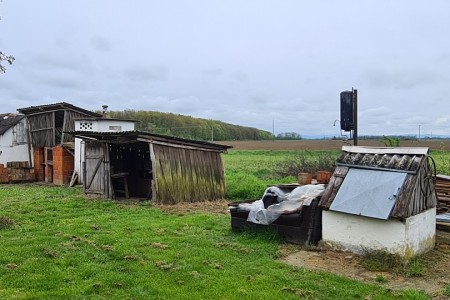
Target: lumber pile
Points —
{"points": [[442, 187]]}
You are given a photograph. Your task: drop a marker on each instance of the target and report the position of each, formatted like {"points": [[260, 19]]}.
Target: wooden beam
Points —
{"points": [[42, 129], [177, 145], [54, 128]]}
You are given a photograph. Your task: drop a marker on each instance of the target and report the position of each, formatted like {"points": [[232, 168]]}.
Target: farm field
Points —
{"points": [[329, 144]]}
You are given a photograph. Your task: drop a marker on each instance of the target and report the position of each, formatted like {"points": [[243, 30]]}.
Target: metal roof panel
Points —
{"points": [[370, 193]]}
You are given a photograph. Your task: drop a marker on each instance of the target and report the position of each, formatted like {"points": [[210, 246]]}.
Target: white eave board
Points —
{"points": [[387, 150]]}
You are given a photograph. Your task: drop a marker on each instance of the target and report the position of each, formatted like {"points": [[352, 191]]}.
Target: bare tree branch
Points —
{"points": [[8, 58]]}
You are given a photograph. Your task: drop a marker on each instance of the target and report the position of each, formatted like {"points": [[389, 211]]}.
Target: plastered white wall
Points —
{"points": [[101, 125], [79, 158], [10, 150], [104, 125], [357, 234]]}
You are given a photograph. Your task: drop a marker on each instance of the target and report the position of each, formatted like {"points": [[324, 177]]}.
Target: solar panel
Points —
{"points": [[370, 193]]}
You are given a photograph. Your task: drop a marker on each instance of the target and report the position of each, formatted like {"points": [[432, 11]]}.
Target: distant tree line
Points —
{"points": [[289, 136], [189, 127]]}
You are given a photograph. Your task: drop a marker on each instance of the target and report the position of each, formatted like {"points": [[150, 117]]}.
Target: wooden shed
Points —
{"points": [[162, 168], [53, 147], [381, 199]]}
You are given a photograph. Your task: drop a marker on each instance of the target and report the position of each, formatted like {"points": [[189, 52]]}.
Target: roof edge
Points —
{"points": [[387, 150]]}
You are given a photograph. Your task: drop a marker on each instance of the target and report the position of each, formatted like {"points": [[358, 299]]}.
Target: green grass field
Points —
{"points": [[56, 244]]}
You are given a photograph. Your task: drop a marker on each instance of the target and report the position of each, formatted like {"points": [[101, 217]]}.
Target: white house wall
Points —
{"points": [[96, 125], [13, 144], [104, 125], [79, 158], [358, 234]]}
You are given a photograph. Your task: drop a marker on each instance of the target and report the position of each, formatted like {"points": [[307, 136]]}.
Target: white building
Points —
{"points": [[96, 125], [14, 143]]}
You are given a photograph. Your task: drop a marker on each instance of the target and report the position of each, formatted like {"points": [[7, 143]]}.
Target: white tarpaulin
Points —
{"points": [[286, 203]]}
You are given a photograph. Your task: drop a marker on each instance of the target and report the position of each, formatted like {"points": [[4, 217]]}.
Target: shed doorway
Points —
{"points": [[131, 170], [118, 170]]}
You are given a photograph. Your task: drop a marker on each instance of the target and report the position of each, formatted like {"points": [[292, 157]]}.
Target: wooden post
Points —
{"points": [[355, 117]]}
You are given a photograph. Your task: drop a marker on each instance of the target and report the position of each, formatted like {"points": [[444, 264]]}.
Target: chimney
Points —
{"points": [[104, 110]]}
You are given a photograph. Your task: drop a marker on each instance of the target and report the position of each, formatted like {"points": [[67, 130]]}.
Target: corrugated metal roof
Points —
{"points": [[401, 159], [133, 135], [55, 106], [9, 120]]}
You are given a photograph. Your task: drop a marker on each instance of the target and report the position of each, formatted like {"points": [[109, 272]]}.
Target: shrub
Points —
{"points": [[391, 141], [306, 162]]}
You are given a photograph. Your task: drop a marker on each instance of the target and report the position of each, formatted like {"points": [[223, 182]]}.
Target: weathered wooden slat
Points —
{"points": [[333, 186], [187, 175]]}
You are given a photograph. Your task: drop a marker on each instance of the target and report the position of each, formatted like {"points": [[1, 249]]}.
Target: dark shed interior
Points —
{"points": [[133, 161]]}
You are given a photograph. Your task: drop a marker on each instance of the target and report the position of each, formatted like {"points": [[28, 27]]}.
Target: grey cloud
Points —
{"points": [[212, 72], [101, 44], [375, 112], [240, 76], [150, 73], [57, 81], [399, 79]]}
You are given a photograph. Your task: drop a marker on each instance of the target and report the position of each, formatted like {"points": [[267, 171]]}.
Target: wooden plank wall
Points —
{"points": [[69, 124], [41, 129], [187, 175], [96, 170], [417, 194], [333, 187]]}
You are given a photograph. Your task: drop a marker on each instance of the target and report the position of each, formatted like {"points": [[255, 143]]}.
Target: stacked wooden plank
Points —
{"points": [[442, 187]]}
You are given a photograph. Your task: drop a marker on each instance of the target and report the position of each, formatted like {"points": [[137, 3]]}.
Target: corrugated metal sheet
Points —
{"points": [[55, 106], [134, 135], [369, 193], [384, 161], [9, 120]]}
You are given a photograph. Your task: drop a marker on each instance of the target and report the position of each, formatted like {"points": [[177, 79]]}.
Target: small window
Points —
{"points": [[115, 128], [85, 126]]}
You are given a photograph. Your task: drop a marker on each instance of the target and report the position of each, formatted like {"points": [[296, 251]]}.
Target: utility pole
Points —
{"points": [[419, 131], [355, 117], [212, 133], [273, 130]]}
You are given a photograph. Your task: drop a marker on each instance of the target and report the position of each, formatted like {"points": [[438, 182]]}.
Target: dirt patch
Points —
{"points": [[435, 266], [216, 207]]}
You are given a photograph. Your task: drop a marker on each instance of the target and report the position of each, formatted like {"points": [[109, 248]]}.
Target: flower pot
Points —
{"points": [[323, 176], [304, 178]]}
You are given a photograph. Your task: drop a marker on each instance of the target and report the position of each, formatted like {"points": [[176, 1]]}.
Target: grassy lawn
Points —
{"points": [[55, 244]]}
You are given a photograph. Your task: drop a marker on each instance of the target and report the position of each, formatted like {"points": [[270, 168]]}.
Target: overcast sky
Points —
{"points": [[243, 62]]}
